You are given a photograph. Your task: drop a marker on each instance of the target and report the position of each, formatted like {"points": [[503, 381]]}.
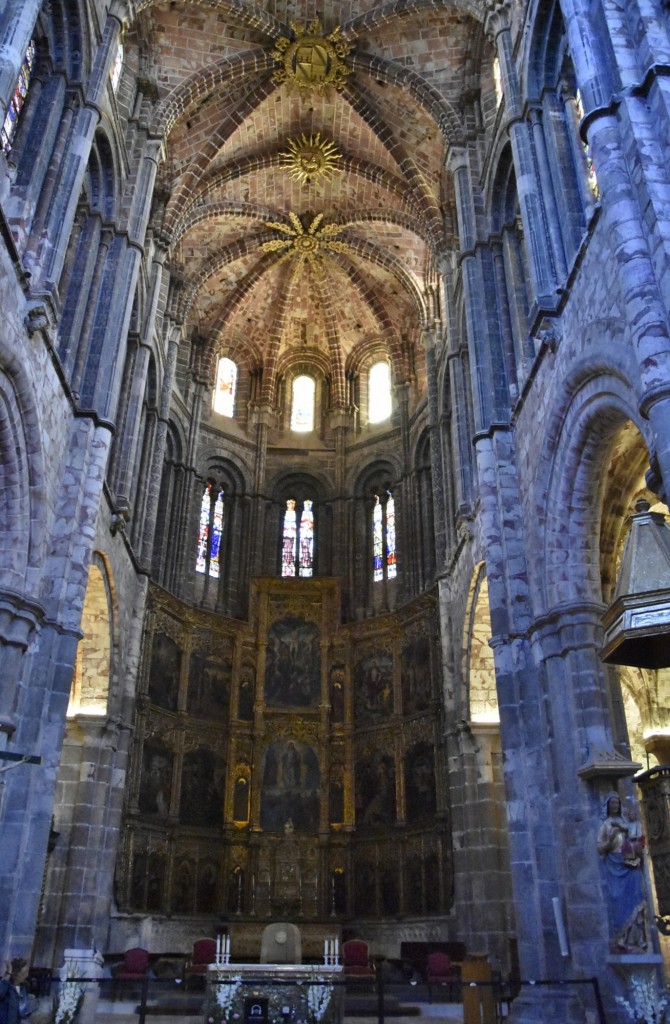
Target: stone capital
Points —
{"points": [[498, 18], [456, 159]]}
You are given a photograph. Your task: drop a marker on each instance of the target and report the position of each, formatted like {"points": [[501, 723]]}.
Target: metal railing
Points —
{"points": [[379, 998]]}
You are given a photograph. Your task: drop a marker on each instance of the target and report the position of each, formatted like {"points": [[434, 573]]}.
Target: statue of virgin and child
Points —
{"points": [[621, 844]]}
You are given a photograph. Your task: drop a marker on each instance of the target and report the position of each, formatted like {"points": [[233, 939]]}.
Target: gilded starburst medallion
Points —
{"points": [[307, 246], [309, 158], [311, 61]]}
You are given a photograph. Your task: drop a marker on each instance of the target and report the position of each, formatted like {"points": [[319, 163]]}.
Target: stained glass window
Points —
{"points": [[298, 540], [207, 559], [226, 382], [378, 540], [18, 99], [390, 537], [302, 406], [290, 540], [379, 388], [115, 73], [383, 538], [306, 539], [590, 166]]}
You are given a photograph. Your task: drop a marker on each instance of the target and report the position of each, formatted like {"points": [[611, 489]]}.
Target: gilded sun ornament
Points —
{"points": [[310, 60], [309, 158], [307, 245]]}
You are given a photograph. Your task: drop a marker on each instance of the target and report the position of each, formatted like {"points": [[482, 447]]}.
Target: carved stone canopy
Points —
{"points": [[637, 623]]}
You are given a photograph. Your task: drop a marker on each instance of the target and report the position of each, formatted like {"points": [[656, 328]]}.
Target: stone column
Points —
{"points": [[430, 339], [53, 229], [643, 303], [158, 455], [533, 843], [489, 384], [529, 185]]}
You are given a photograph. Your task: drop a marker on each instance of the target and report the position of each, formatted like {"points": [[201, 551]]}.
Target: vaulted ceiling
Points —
{"points": [[303, 194]]}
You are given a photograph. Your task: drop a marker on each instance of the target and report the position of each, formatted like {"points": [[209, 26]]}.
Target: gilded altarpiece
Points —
{"points": [[288, 766]]}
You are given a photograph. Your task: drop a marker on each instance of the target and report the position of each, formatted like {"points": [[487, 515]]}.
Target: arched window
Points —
{"points": [[209, 532], [117, 67], [18, 99], [302, 405], [297, 553], [379, 392], [226, 383], [590, 166], [497, 80], [383, 537]]}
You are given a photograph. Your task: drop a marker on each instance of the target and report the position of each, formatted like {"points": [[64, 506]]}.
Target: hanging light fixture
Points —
{"points": [[637, 623]]}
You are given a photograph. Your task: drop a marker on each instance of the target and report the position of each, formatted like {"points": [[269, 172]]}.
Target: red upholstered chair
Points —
{"points": [[356, 959], [203, 954], [134, 965], [440, 971]]}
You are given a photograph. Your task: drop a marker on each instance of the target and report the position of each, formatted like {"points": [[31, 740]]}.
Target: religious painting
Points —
{"points": [[432, 876], [164, 671], [414, 885], [364, 889], [415, 674], [183, 889], [373, 688], [147, 882], [389, 890], [293, 664], [420, 800], [291, 787], [155, 780], [208, 686], [206, 892], [201, 790], [375, 791], [246, 695]]}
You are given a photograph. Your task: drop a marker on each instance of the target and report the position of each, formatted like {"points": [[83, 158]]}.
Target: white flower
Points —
{"points": [[69, 994], [646, 1004], [226, 992], [318, 998]]}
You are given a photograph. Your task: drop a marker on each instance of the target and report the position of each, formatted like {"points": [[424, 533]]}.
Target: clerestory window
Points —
{"points": [[379, 392], [210, 531], [383, 537], [226, 385], [297, 557], [302, 403]]}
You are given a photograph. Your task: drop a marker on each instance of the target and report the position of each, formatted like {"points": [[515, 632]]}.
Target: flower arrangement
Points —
{"points": [[69, 996], [225, 995], [646, 1004], [319, 992]]}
